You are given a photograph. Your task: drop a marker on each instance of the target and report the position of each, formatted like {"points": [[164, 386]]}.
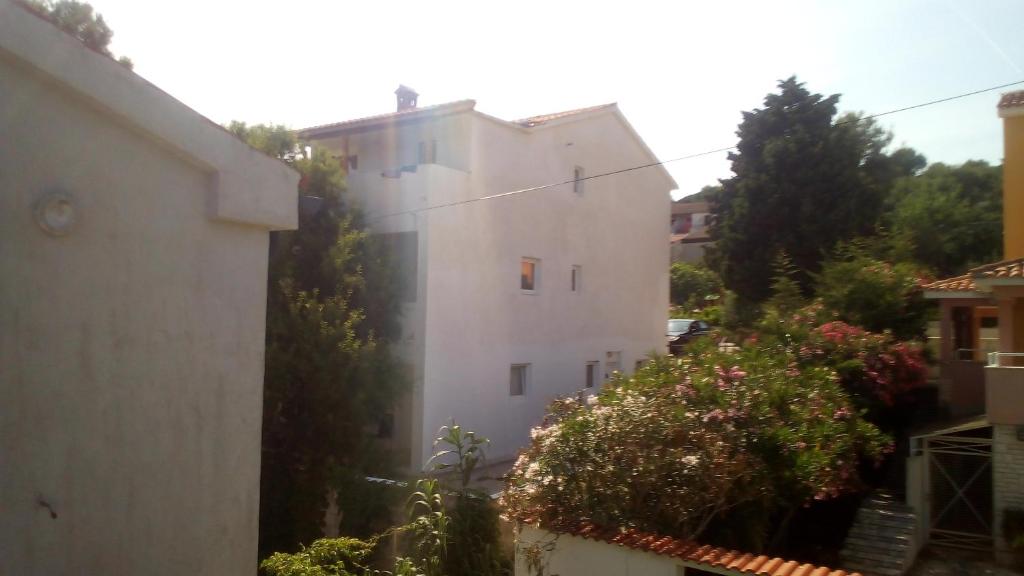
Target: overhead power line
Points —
{"points": [[681, 158]]}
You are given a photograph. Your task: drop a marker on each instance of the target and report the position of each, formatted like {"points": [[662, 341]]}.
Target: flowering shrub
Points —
{"points": [[874, 368], [686, 442]]}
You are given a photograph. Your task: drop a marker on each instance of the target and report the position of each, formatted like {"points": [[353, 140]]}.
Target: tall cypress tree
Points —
{"points": [[803, 180]]}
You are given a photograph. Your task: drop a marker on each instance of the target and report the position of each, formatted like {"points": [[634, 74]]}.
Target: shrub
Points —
{"points": [[875, 369], [874, 295], [687, 443], [325, 557], [691, 284]]}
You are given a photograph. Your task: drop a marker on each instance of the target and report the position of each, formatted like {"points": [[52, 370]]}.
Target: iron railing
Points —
{"points": [[995, 359]]}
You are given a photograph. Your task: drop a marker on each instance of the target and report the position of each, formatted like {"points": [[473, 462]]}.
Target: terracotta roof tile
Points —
{"points": [[544, 118], [1012, 99], [1004, 269], [968, 282], [962, 283], [687, 550]]}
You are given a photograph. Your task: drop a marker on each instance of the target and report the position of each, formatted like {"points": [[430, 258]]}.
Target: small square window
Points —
{"points": [[574, 283], [427, 153], [517, 379], [528, 274], [577, 179], [592, 368], [353, 162]]}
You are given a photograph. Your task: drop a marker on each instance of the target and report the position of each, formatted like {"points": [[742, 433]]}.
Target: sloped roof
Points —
{"points": [[390, 117], [701, 554], [1012, 99], [545, 118], [690, 237], [968, 282], [690, 207]]}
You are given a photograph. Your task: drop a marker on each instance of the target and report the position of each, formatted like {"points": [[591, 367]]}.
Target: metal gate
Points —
{"points": [[960, 484]]}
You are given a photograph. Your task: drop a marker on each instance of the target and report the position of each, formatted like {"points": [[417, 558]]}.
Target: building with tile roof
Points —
{"points": [[690, 230], [511, 298], [589, 550], [962, 480]]}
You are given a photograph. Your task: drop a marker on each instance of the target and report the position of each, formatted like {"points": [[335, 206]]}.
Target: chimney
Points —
{"points": [[1011, 110], [406, 98]]}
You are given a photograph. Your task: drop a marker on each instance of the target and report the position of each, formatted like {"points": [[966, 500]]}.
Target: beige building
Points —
{"points": [[133, 262], [963, 477], [511, 300], [690, 231]]}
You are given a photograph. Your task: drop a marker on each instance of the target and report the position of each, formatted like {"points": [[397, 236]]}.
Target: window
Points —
{"points": [[353, 162], [574, 283], [577, 179], [638, 365], [612, 363], [591, 374], [517, 379], [528, 274], [428, 152]]}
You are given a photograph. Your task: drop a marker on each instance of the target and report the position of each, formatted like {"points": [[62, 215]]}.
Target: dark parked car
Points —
{"points": [[681, 331]]}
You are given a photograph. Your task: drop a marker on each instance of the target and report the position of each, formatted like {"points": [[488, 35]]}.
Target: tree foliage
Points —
{"points": [[873, 294], [79, 20], [684, 447], [452, 528], [950, 216], [690, 284], [803, 181], [875, 369], [330, 374]]}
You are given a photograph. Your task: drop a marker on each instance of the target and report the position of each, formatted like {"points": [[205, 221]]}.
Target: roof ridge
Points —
{"points": [[531, 121], [389, 115]]}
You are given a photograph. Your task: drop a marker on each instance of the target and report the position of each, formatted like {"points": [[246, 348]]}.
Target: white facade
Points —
{"points": [[471, 321], [131, 342]]}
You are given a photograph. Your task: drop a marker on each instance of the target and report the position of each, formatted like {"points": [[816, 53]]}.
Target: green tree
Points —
{"points": [[690, 284], [872, 294], [329, 372], [950, 216], [803, 180], [81, 21]]}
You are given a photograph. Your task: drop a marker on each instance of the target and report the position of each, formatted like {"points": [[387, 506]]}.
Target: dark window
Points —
{"points": [[427, 153], [591, 374], [517, 379]]}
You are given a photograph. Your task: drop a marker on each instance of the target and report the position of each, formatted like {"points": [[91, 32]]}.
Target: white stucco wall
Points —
{"points": [[131, 350], [574, 556], [471, 320]]}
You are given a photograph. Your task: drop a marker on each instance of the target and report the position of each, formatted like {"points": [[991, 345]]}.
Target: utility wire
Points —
{"points": [[681, 158]]}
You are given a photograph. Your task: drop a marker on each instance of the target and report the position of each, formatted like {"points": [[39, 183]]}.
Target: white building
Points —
{"points": [[513, 300], [133, 274]]}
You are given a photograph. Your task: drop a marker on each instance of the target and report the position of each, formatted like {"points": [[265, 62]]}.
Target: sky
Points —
{"points": [[682, 72]]}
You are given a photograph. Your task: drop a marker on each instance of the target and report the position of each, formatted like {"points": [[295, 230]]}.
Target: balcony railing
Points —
{"points": [[1002, 360]]}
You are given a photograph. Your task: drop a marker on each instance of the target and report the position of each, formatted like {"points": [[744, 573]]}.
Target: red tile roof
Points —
{"points": [[1004, 269], [544, 118], [1012, 99], [691, 207], [711, 556], [967, 282], [409, 114]]}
